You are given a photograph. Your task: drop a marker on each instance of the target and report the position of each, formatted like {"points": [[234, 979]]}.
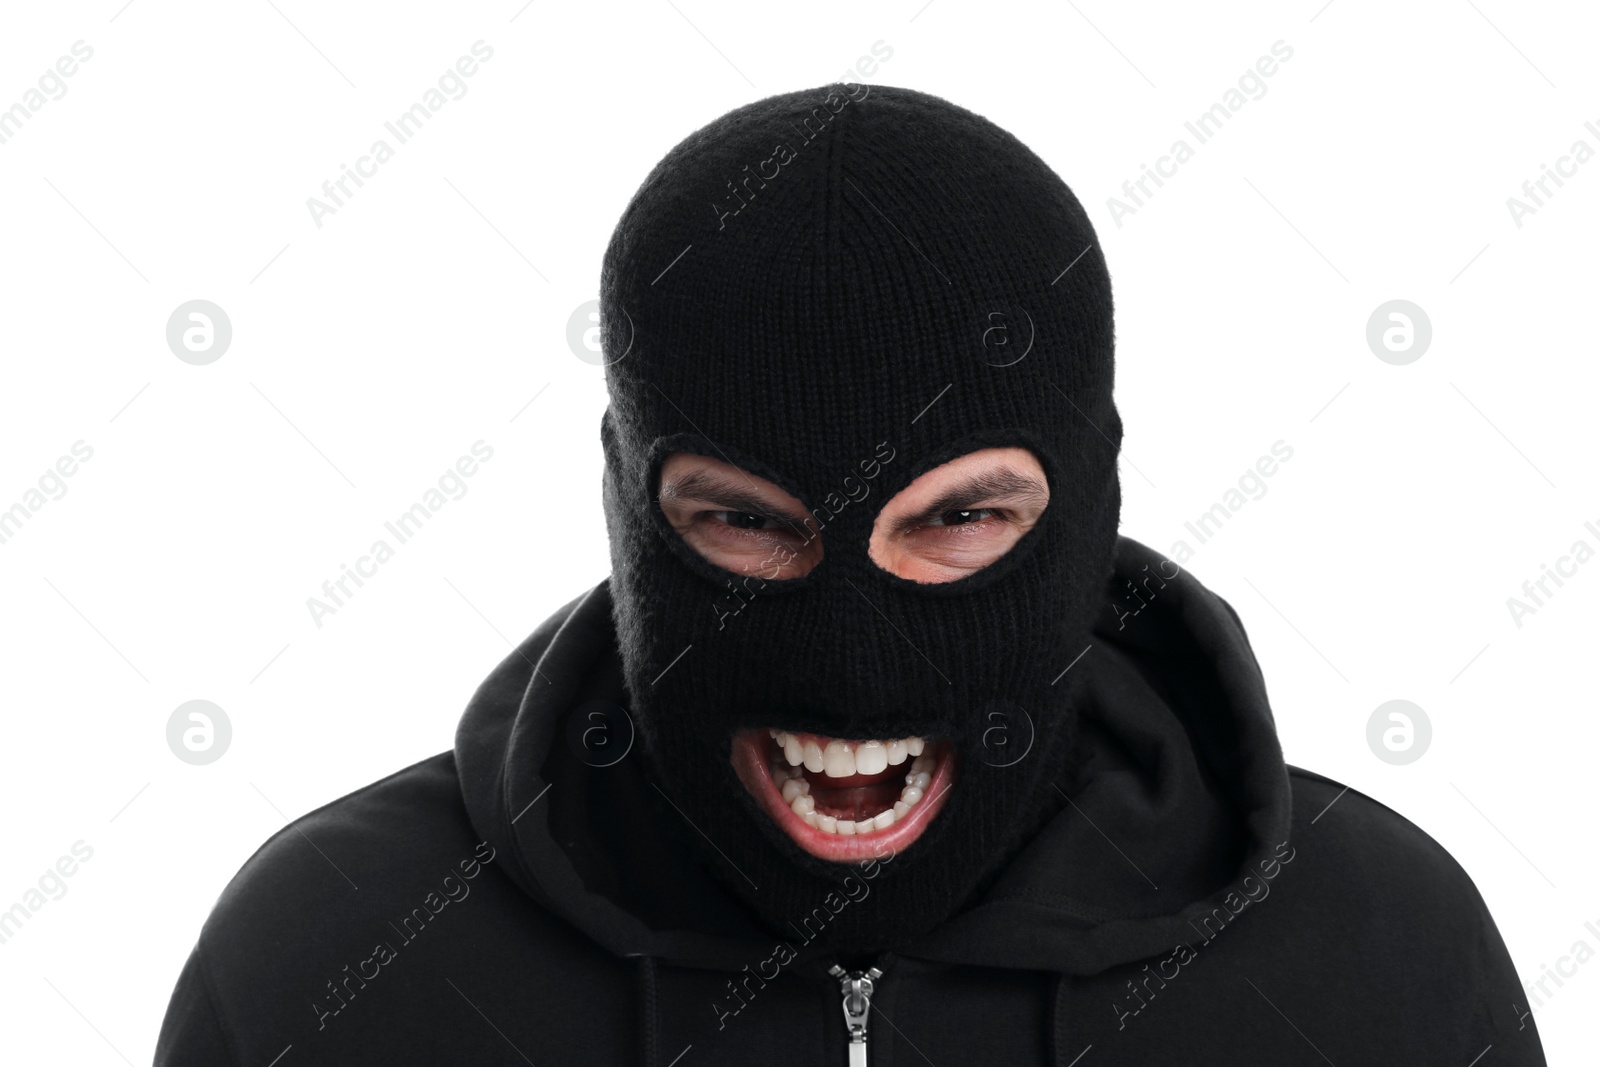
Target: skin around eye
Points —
{"points": [[736, 520], [960, 517], [747, 543]]}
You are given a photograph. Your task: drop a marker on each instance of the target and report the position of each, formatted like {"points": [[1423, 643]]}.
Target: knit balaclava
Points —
{"points": [[838, 290]]}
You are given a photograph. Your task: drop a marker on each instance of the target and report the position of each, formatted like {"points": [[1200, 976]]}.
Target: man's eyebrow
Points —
{"points": [[714, 488], [977, 488]]}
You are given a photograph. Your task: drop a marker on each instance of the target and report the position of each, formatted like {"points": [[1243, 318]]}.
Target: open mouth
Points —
{"points": [[845, 800]]}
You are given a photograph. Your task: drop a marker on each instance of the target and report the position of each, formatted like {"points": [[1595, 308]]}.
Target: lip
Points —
{"points": [[750, 762]]}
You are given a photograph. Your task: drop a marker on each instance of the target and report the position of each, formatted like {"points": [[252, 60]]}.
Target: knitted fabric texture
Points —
{"points": [[837, 290]]}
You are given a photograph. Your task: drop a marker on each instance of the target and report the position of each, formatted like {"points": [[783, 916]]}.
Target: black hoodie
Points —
{"points": [[1197, 901]]}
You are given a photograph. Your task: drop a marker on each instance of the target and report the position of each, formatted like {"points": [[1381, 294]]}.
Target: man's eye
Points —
{"points": [[963, 518], [744, 520]]}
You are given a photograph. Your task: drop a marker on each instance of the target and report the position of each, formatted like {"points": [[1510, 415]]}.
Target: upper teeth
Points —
{"points": [[840, 759], [796, 793]]}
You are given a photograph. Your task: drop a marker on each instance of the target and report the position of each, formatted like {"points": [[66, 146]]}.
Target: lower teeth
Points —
{"points": [[796, 792]]}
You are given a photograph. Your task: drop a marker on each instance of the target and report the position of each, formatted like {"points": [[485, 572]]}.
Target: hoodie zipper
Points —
{"points": [[856, 989]]}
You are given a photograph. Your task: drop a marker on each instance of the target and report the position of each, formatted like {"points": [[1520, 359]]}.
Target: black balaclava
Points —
{"points": [[838, 290]]}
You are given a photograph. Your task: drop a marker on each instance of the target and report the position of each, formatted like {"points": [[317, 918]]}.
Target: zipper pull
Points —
{"points": [[856, 986]]}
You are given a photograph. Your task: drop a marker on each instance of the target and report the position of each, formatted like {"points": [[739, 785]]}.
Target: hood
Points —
{"points": [[1185, 793]]}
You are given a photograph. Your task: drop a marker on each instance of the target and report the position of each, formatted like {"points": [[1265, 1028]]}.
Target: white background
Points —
{"points": [[369, 353]]}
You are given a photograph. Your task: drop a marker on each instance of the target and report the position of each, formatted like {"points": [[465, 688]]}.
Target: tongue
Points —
{"points": [[856, 796]]}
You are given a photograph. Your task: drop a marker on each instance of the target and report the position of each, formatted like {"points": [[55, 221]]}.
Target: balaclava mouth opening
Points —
{"points": [[837, 290]]}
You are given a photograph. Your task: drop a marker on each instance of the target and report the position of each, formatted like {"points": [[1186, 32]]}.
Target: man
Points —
{"points": [[879, 744]]}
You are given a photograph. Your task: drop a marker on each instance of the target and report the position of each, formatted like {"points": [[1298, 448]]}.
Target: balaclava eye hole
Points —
{"points": [[776, 563], [1004, 562], [968, 516], [790, 544]]}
